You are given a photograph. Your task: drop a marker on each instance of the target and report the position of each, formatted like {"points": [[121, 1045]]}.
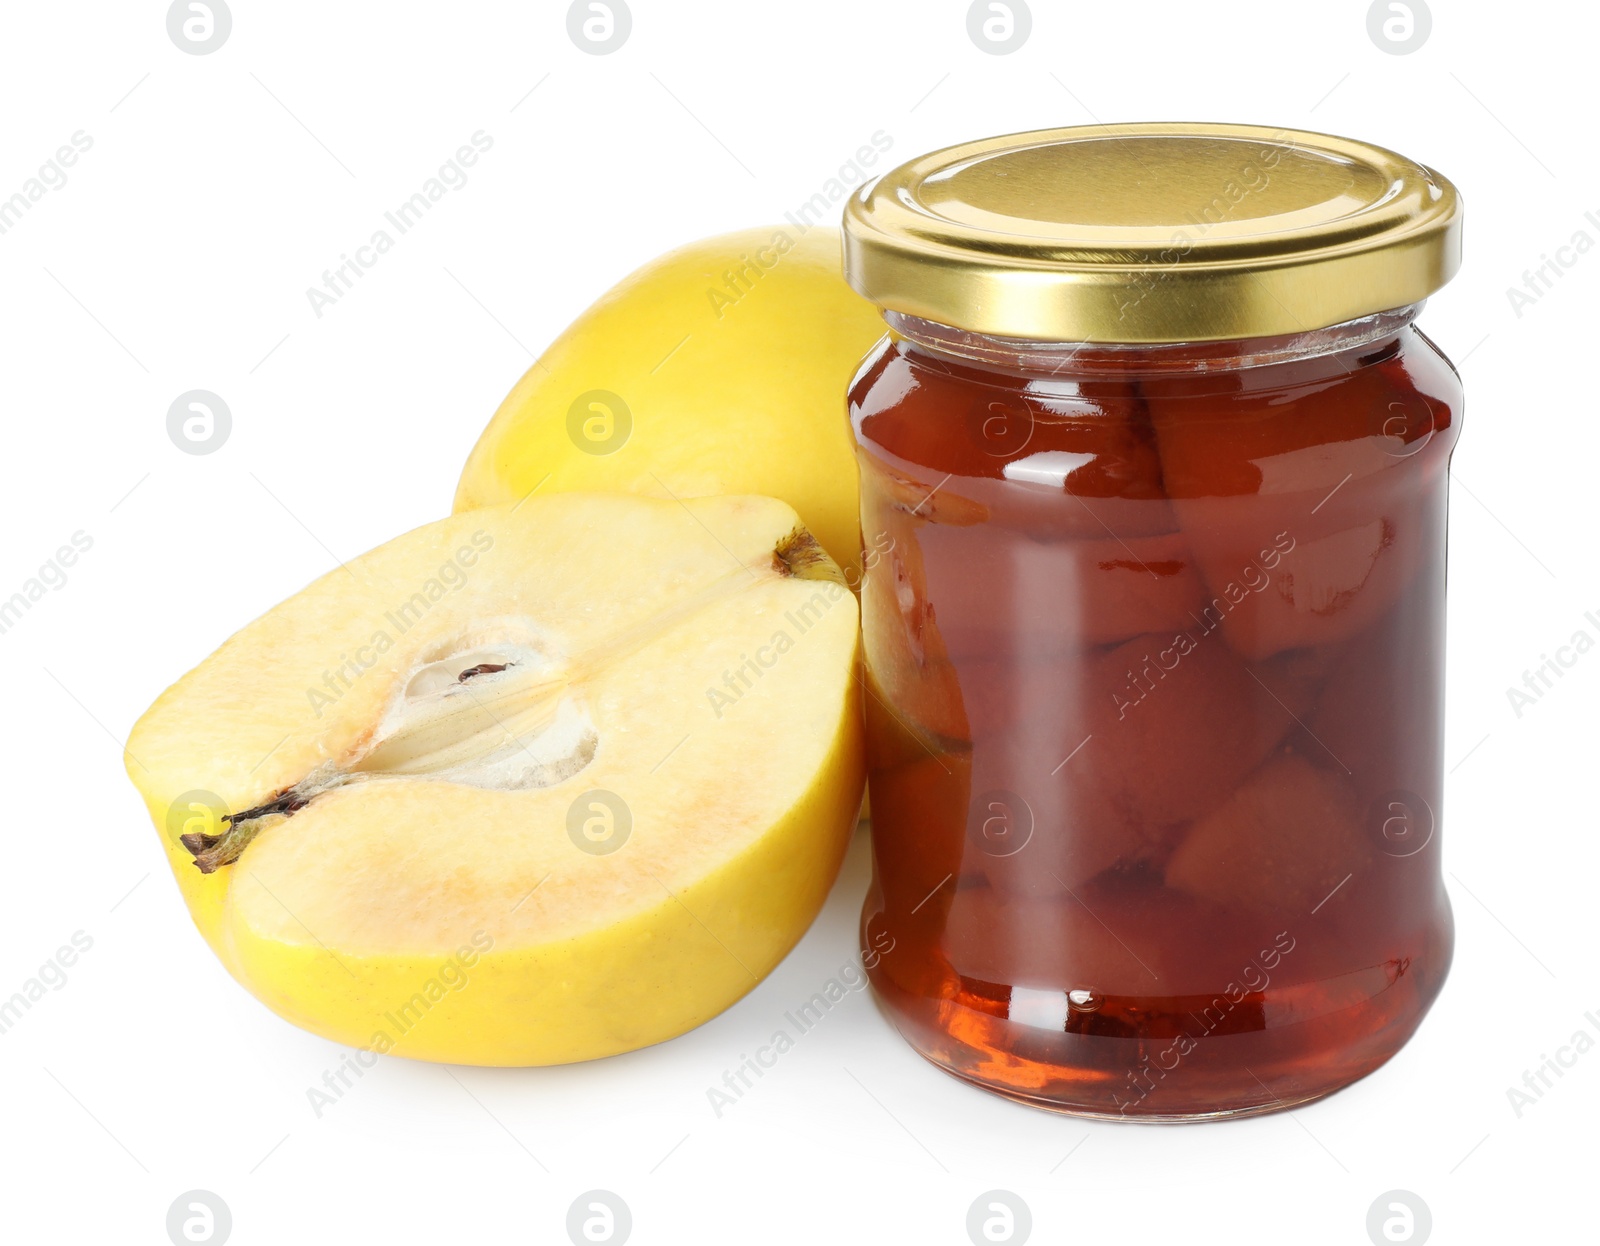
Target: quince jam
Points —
{"points": [[1154, 654]]}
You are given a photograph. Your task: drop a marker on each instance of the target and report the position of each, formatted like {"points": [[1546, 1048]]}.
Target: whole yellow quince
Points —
{"points": [[718, 368]]}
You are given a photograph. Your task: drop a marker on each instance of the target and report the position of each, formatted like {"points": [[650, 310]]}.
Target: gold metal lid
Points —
{"points": [[1152, 233]]}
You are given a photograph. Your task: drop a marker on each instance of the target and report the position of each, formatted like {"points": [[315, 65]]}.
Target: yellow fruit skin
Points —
{"points": [[726, 394], [628, 985]]}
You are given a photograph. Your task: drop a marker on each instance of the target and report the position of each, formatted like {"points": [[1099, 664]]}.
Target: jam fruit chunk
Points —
{"points": [[1281, 844], [1302, 503], [1109, 754]]}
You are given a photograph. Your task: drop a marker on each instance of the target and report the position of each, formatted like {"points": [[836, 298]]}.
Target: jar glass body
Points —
{"points": [[1154, 663]]}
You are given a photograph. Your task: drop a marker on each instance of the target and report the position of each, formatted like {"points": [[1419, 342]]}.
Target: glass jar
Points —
{"points": [[1153, 511]]}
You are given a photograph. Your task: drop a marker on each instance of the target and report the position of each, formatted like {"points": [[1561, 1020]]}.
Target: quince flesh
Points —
{"points": [[524, 786]]}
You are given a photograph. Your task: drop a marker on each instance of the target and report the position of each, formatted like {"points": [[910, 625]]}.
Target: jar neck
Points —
{"points": [[1030, 358]]}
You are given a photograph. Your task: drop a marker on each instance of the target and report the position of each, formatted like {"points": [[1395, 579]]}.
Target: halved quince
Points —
{"points": [[525, 786]]}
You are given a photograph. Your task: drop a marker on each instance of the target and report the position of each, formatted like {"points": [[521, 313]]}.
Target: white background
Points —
{"points": [[177, 256]]}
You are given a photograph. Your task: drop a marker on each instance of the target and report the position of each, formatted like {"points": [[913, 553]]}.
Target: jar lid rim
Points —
{"points": [[1152, 232]]}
